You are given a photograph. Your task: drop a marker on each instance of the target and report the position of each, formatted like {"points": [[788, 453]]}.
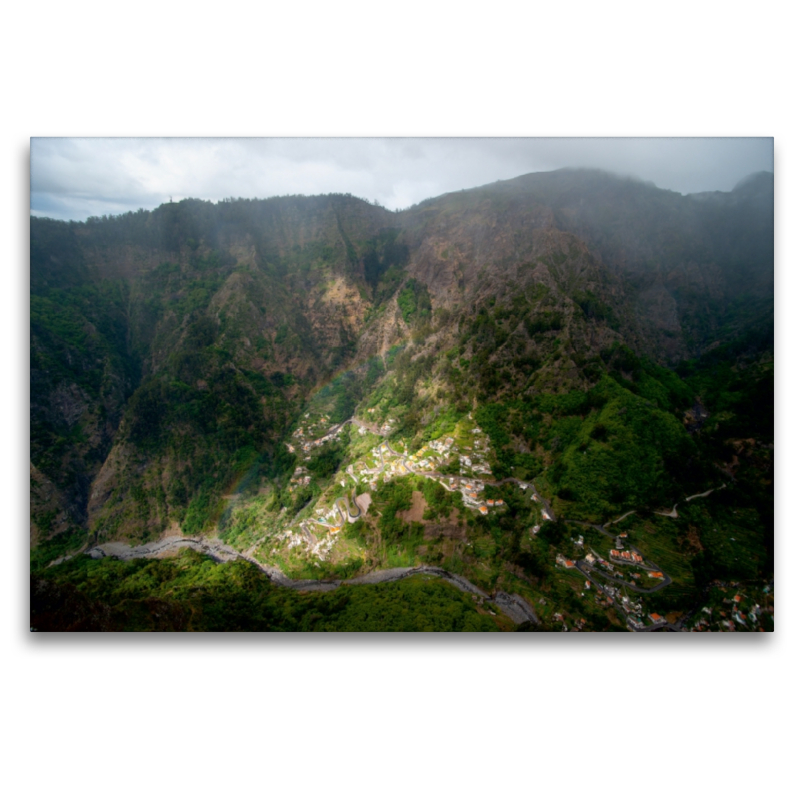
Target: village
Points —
{"points": [[466, 449], [615, 576], [732, 607], [609, 578], [472, 451]]}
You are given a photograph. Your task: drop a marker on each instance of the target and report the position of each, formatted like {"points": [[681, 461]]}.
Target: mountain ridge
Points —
{"points": [[173, 352]]}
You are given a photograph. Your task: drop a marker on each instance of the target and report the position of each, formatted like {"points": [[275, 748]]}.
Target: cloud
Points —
{"points": [[79, 177]]}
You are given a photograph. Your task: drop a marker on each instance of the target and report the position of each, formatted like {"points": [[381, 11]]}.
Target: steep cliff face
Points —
{"points": [[171, 350], [689, 263], [164, 344]]}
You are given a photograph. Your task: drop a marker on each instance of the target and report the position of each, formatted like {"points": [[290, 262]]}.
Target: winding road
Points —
{"points": [[513, 606]]}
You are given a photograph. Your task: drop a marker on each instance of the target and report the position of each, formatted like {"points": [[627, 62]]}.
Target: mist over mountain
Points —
{"points": [[612, 340]]}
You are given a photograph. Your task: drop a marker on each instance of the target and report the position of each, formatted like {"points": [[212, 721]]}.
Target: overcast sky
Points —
{"points": [[80, 177]]}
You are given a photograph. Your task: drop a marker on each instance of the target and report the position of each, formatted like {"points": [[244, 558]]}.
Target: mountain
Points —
{"points": [[611, 339]]}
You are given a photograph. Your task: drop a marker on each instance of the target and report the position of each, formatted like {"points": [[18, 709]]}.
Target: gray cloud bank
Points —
{"points": [[81, 177]]}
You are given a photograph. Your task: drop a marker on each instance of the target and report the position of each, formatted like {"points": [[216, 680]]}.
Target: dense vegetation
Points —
{"points": [[175, 354], [191, 592]]}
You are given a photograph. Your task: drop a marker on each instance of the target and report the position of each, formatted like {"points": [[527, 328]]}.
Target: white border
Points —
{"points": [[389, 716]]}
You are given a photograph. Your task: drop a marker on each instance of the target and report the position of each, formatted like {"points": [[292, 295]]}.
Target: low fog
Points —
{"points": [[81, 177]]}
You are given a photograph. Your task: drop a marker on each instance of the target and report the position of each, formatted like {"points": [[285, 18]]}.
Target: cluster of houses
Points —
{"points": [[592, 558], [300, 477], [307, 434], [626, 555], [609, 594], [313, 546], [739, 618], [387, 464], [476, 462], [623, 557], [442, 445], [578, 626], [425, 461], [470, 489], [631, 606]]}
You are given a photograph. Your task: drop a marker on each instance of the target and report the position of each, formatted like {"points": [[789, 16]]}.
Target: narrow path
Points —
{"points": [[619, 519], [673, 514], [705, 494]]}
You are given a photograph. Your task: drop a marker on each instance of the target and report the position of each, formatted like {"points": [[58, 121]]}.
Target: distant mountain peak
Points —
{"points": [[756, 180]]}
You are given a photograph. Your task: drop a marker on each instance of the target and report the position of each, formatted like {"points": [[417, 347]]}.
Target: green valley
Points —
{"points": [[545, 404]]}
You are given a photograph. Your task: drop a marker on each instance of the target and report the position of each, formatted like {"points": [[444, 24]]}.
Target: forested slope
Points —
{"points": [[613, 340]]}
